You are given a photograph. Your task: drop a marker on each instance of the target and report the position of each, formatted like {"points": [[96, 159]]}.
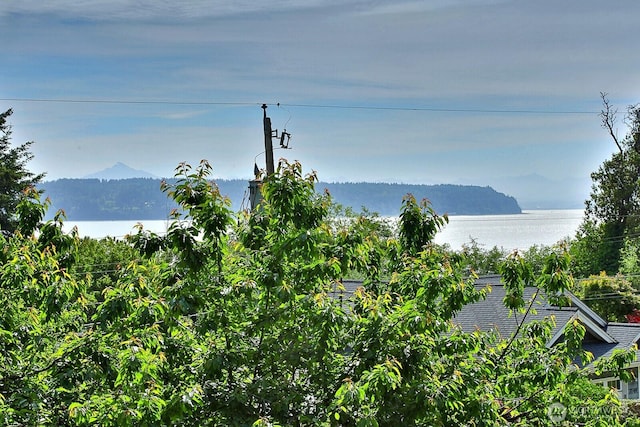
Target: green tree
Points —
{"points": [[482, 261], [15, 178], [244, 319], [612, 213], [630, 262], [612, 297]]}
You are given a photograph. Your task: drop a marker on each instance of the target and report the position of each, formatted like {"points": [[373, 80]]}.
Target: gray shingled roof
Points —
{"points": [[625, 334], [491, 314]]}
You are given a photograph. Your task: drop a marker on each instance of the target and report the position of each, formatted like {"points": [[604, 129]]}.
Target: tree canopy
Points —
{"points": [[612, 213], [15, 178], [243, 319]]}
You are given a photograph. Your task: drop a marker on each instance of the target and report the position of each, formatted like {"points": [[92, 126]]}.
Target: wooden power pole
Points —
{"points": [[255, 196], [268, 143]]}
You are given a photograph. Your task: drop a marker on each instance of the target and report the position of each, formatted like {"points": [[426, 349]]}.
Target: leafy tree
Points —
{"points": [[612, 297], [244, 319], [15, 178], [630, 262], [612, 212], [482, 261]]}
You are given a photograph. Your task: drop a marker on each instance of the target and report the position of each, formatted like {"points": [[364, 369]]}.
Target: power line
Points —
{"points": [[122, 101], [443, 110], [317, 106]]}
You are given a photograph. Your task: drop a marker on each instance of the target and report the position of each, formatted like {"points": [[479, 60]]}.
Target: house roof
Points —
{"points": [[601, 339], [491, 314], [625, 336]]}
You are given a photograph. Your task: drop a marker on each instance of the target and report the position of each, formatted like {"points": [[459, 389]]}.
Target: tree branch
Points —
{"points": [[608, 117], [507, 349]]}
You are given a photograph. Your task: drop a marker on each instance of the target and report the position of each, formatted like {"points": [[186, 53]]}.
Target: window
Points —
{"points": [[632, 387], [613, 384]]}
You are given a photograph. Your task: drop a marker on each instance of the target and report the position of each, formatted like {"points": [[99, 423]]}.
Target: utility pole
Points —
{"points": [[268, 143], [255, 197]]}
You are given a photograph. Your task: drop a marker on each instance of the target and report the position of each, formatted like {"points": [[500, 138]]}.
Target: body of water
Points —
{"points": [[532, 227], [117, 229]]}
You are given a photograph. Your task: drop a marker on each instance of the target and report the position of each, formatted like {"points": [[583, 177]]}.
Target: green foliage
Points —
{"points": [[612, 212], [15, 178], [589, 404], [612, 297], [481, 261], [630, 262], [555, 278], [517, 274], [587, 254], [419, 224], [537, 255], [244, 319]]}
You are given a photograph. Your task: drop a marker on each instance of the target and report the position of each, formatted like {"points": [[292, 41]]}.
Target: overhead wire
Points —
{"points": [[295, 105], [124, 101], [323, 106], [441, 109], [602, 296]]}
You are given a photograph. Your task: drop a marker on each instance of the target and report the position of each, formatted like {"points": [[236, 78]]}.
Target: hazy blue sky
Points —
{"points": [[430, 91]]}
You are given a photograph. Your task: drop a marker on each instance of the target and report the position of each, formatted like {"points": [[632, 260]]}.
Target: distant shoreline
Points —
{"points": [[133, 198]]}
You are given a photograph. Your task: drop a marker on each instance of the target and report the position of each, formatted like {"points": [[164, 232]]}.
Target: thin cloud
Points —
{"points": [[417, 6], [105, 10]]}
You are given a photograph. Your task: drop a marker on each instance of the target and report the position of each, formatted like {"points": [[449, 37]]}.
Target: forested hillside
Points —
{"points": [[445, 199], [142, 198], [95, 199]]}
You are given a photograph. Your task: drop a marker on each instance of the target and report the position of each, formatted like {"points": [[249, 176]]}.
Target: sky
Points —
{"points": [[410, 91]]}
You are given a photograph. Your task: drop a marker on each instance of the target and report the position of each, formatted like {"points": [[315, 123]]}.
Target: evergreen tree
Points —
{"points": [[15, 178], [613, 209]]}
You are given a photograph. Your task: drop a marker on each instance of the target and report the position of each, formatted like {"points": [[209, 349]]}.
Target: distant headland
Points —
{"points": [[93, 199]]}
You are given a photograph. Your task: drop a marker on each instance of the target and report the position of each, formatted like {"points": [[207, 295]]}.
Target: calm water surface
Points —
{"points": [[532, 227]]}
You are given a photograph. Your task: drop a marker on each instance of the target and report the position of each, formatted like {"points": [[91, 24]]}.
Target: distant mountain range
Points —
{"points": [[527, 192], [123, 193], [531, 191], [120, 171]]}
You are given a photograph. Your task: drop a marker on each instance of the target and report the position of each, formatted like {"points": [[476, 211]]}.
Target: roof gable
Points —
{"points": [[592, 327], [601, 339]]}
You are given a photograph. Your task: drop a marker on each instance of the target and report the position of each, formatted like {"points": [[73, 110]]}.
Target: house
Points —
{"points": [[601, 337]]}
